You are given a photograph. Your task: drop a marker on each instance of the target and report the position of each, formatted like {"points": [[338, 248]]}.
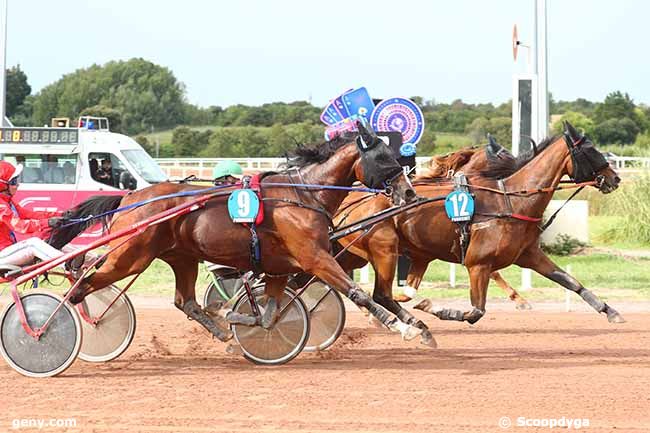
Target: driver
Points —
{"points": [[227, 172], [14, 219]]}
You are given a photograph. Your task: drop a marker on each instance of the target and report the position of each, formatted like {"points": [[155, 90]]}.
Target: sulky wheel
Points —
{"points": [[57, 347], [113, 334], [326, 316], [284, 341]]}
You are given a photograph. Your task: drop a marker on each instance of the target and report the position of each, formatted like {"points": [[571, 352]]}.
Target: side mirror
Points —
{"points": [[127, 181]]}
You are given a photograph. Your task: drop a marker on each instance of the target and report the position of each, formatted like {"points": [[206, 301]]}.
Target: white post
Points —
{"points": [[364, 275], [541, 68], [3, 64], [567, 294], [452, 275], [526, 279]]}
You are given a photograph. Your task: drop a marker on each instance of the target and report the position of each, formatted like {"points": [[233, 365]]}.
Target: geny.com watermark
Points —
{"points": [[563, 422], [41, 423]]}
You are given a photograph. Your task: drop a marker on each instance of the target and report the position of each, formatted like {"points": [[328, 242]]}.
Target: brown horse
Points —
{"points": [[498, 237], [293, 236], [378, 246]]}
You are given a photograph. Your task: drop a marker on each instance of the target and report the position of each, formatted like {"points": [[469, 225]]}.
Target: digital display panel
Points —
{"points": [[39, 135]]}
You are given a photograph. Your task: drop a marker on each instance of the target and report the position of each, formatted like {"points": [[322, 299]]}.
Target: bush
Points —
{"points": [[564, 245], [632, 203]]}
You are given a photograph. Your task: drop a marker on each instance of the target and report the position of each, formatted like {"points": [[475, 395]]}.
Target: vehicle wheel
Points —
{"points": [[113, 334], [55, 350], [326, 316], [226, 290], [284, 341]]}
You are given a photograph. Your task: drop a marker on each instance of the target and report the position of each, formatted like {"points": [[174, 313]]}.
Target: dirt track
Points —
{"points": [[516, 364]]}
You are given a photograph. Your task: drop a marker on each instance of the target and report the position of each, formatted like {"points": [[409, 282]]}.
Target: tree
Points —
{"points": [[616, 131], [617, 106], [146, 94], [17, 90], [579, 120]]}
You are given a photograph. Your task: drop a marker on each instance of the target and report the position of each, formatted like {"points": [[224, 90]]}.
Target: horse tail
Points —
{"points": [[79, 218]]}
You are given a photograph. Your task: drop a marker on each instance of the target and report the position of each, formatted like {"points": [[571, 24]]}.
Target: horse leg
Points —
{"points": [[185, 272], [384, 265], [535, 259], [325, 267], [479, 276], [274, 288], [522, 304], [413, 280]]}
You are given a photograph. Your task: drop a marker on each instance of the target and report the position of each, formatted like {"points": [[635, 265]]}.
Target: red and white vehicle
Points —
{"points": [[66, 165]]}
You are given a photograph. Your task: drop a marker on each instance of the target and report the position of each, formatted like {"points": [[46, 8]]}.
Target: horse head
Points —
{"points": [[587, 163], [377, 167]]}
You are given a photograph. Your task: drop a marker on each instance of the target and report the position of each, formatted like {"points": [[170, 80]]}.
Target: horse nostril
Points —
{"points": [[617, 180]]}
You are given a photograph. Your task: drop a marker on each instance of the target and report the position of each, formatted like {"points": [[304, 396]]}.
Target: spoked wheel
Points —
{"points": [[284, 341], [54, 351], [326, 316], [113, 334]]}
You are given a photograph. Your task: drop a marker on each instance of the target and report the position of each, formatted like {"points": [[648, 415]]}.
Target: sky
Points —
{"points": [[258, 51]]}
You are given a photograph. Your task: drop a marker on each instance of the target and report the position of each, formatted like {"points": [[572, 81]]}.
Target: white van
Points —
{"points": [[65, 165]]}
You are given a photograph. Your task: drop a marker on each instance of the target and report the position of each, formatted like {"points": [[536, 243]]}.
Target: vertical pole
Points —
{"points": [[452, 275], [567, 294], [3, 63], [526, 279], [542, 69], [364, 277]]}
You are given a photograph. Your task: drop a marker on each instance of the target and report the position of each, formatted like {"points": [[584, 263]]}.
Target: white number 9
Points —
{"points": [[244, 203]]}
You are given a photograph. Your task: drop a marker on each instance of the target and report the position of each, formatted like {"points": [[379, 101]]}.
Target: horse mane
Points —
{"points": [[501, 168], [304, 155], [444, 163]]}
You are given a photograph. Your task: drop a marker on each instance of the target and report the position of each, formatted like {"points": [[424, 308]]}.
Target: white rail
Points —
{"points": [[178, 168]]}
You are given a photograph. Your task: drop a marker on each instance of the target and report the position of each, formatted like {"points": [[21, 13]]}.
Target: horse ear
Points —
{"points": [[569, 129], [493, 145], [366, 133]]}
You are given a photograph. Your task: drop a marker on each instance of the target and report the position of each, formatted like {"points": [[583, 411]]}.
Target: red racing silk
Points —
{"points": [[16, 219], [256, 186]]}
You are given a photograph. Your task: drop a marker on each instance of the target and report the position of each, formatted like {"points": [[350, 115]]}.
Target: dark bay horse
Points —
{"points": [[497, 240], [293, 236], [378, 247]]}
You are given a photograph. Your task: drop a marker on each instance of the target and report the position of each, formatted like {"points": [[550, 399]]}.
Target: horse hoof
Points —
{"points": [[615, 318], [524, 306], [428, 340], [374, 322], [423, 305], [409, 332], [234, 349]]}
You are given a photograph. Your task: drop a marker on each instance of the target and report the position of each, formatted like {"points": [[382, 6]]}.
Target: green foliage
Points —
{"points": [[189, 142], [499, 127], [17, 90], [616, 106], [269, 114], [564, 245], [580, 121], [618, 130], [146, 94], [632, 203], [114, 116]]}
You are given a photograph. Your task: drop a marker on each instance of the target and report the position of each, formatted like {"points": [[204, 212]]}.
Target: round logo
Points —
{"points": [[399, 114]]}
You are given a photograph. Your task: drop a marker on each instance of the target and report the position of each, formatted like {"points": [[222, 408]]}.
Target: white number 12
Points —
{"points": [[462, 198]]}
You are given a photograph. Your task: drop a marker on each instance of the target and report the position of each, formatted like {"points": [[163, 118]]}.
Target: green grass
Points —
{"points": [[450, 142]]}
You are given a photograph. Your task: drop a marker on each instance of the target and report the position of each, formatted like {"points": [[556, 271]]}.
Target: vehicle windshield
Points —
{"points": [[145, 165]]}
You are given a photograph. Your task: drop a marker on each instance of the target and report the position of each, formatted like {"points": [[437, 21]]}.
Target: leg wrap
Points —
{"points": [[361, 298], [193, 310], [475, 315], [592, 300], [450, 314]]}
